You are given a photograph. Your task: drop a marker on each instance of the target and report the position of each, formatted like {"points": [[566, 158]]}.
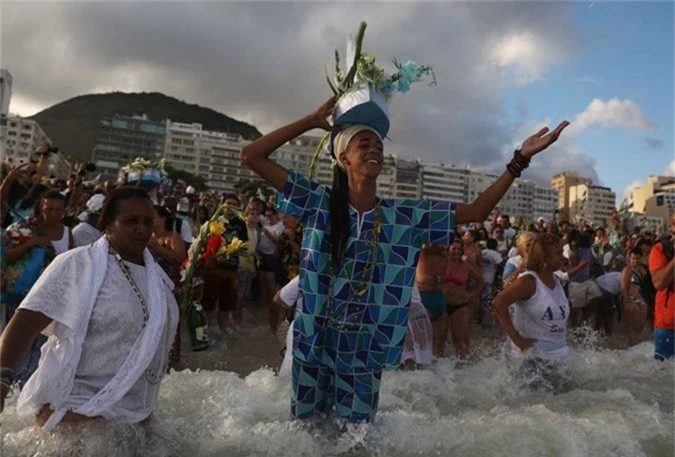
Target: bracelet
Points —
{"points": [[521, 159], [515, 172]]}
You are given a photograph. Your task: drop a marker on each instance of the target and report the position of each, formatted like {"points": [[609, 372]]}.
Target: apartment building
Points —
{"points": [[120, 139], [591, 203]]}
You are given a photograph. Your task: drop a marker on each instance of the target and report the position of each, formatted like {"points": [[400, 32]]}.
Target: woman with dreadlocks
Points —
{"points": [[359, 255]]}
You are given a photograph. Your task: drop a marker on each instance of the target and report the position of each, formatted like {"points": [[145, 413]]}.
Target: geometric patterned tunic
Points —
{"points": [[378, 318]]}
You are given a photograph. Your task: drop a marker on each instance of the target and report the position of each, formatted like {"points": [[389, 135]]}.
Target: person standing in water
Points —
{"points": [[538, 329], [359, 254]]}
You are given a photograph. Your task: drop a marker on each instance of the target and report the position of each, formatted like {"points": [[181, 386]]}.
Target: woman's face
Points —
{"points": [[455, 250], [251, 214], [52, 210], [468, 238], [555, 255], [132, 227], [365, 154]]}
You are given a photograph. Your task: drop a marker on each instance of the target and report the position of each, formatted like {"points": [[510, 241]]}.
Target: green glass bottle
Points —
{"points": [[197, 324]]}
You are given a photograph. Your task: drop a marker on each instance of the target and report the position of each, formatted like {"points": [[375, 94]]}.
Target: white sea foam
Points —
{"points": [[613, 403]]}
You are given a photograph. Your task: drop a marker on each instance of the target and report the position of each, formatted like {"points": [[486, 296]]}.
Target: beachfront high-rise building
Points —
{"points": [[23, 136], [562, 182], [441, 181], [545, 201], [5, 97], [591, 203], [654, 198], [524, 198], [209, 154], [5, 92], [120, 139]]}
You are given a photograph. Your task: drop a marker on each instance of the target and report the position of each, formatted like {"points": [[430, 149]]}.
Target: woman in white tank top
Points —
{"points": [[538, 328]]}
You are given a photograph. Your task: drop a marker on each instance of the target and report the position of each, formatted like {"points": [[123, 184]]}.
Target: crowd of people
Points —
{"points": [[90, 322]]}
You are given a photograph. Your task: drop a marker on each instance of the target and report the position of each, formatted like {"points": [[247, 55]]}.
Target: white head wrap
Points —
{"points": [[342, 139]]}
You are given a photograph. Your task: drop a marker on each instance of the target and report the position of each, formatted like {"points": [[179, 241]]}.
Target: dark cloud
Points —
{"points": [[654, 143], [263, 62]]}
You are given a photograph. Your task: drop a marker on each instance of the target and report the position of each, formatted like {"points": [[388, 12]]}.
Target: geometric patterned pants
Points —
{"points": [[317, 389]]}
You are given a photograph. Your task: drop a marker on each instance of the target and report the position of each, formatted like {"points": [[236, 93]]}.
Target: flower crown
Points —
{"points": [[364, 91]]}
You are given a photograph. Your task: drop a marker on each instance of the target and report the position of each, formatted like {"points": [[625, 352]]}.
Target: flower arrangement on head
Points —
{"points": [[144, 171], [364, 91], [211, 246]]}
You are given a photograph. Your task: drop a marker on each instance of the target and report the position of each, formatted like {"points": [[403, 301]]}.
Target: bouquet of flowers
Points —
{"points": [[211, 246], [364, 91], [21, 232], [18, 277]]}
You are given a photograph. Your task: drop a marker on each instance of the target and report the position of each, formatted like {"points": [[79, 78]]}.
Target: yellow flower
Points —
{"points": [[222, 250], [216, 228], [235, 246], [236, 243]]}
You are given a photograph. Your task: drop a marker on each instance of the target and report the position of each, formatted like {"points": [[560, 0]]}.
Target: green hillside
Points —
{"points": [[72, 124]]}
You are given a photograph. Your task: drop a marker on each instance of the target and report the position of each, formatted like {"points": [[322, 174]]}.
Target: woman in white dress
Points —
{"points": [[110, 316], [537, 329]]}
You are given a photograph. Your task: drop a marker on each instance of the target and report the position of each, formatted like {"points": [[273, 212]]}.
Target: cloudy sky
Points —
{"points": [[503, 69]]}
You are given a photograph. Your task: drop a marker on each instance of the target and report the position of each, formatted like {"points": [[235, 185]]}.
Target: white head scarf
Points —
{"points": [[342, 139]]}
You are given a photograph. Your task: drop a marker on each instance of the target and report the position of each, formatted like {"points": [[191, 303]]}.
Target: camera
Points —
{"points": [[52, 150]]}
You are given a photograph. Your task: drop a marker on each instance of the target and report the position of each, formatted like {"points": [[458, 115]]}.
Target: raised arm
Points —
{"points": [[256, 155], [480, 209]]}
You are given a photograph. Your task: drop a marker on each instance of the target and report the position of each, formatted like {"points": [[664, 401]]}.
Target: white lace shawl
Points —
{"points": [[76, 277]]}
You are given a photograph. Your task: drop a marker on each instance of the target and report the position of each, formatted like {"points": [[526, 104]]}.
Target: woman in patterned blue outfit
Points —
{"points": [[358, 261]]}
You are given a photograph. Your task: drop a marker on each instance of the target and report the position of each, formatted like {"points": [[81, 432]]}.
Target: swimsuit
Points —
{"points": [[452, 308], [434, 301]]}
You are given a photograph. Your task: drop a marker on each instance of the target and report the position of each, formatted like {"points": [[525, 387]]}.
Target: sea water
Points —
{"points": [[611, 403]]}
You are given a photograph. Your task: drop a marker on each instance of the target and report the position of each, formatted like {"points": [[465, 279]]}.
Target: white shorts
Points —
{"points": [[581, 293]]}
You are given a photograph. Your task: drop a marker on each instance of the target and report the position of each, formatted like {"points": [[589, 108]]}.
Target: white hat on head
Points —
{"points": [[190, 190], [345, 135], [94, 205]]}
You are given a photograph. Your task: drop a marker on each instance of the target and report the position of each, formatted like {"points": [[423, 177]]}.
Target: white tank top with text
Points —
{"points": [[543, 317]]}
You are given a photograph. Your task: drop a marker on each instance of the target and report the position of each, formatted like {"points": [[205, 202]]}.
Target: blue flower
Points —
{"points": [[410, 72], [403, 85]]}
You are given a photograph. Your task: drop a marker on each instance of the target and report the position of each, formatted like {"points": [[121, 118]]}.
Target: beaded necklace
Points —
{"points": [[341, 322], [151, 377]]}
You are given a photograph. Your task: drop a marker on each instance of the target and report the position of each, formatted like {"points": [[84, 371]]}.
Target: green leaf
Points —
{"points": [[339, 77], [317, 153], [358, 43], [330, 83]]}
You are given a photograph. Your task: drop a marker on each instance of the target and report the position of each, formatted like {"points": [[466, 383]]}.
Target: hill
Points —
{"points": [[72, 124]]}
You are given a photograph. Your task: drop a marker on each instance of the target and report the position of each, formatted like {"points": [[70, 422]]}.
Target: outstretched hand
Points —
{"points": [[541, 140], [321, 115]]}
